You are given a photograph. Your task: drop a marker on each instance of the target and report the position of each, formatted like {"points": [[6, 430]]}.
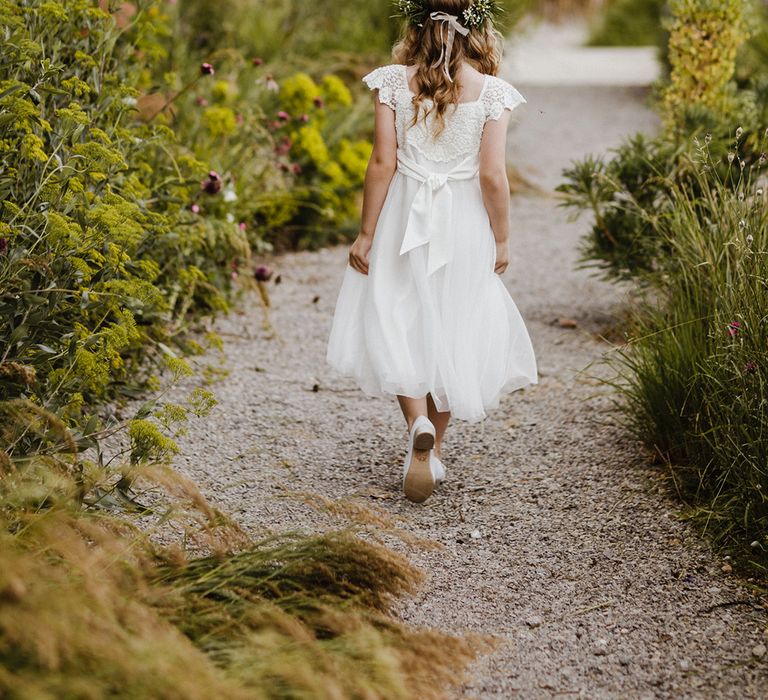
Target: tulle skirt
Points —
{"points": [[455, 334]]}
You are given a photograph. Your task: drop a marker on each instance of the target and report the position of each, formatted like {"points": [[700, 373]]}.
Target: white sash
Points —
{"points": [[430, 216]]}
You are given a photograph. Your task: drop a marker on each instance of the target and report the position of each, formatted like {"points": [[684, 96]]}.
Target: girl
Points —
{"points": [[422, 312]]}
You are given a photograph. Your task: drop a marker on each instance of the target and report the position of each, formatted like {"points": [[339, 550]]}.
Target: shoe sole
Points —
{"points": [[419, 484]]}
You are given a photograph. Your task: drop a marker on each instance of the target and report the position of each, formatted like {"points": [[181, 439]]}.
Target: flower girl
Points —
{"points": [[422, 313]]}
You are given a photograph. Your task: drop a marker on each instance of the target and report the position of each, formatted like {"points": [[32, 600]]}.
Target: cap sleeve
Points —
{"points": [[387, 80], [498, 96]]}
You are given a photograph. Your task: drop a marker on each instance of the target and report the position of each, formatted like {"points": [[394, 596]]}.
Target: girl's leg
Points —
{"points": [[412, 408], [439, 420]]}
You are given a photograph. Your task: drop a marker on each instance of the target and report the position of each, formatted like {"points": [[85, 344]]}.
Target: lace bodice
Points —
{"points": [[463, 126]]}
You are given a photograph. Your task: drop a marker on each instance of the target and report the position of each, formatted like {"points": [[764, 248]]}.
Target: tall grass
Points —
{"points": [[695, 373], [91, 606]]}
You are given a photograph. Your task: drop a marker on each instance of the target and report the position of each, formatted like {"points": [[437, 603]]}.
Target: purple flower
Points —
{"points": [[212, 185], [283, 116], [3, 245], [734, 327], [304, 118], [206, 69], [195, 208], [263, 273]]}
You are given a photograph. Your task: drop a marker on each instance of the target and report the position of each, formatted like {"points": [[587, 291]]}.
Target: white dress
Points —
{"points": [[432, 316]]}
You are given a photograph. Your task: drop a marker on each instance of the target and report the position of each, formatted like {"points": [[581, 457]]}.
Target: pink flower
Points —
{"points": [[734, 327], [304, 118], [206, 69], [200, 101], [262, 273], [234, 275], [195, 208], [296, 169], [243, 226], [284, 146], [257, 61], [283, 116]]}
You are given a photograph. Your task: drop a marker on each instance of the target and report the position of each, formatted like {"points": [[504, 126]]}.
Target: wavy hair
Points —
{"points": [[422, 46]]}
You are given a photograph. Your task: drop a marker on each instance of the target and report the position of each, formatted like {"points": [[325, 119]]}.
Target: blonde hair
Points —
{"points": [[423, 45]]}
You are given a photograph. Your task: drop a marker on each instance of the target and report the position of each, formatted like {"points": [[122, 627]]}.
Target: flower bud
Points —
{"points": [[262, 273], [206, 69]]}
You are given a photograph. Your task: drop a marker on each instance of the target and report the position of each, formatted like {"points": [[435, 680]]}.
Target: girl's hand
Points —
{"points": [[502, 258], [358, 253]]}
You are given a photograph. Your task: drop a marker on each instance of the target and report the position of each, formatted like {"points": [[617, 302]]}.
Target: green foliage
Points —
{"points": [[101, 254], [695, 371], [705, 38], [685, 214], [630, 23]]}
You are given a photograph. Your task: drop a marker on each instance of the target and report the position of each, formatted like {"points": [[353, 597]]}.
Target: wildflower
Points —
{"points": [[257, 61], [263, 273], [739, 132], [230, 218], [3, 245], [284, 146], [750, 367], [283, 116], [304, 118], [234, 275], [731, 157], [271, 83], [243, 226], [212, 185], [195, 208], [200, 101], [206, 69], [318, 102], [742, 164], [296, 169], [734, 327]]}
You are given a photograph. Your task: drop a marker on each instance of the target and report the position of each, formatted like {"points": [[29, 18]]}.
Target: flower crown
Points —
{"points": [[417, 11]]}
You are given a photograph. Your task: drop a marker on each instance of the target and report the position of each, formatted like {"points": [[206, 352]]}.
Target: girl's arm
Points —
{"points": [[495, 185], [381, 168]]}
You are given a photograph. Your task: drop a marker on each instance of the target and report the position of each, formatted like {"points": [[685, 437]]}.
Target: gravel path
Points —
{"points": [[557, 535]]}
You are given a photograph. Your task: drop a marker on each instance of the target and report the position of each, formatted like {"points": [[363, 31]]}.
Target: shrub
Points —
{"points": [[695, 371]]}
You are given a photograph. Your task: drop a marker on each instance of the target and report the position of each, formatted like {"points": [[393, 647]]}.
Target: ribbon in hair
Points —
{"points": [[453, 26]]}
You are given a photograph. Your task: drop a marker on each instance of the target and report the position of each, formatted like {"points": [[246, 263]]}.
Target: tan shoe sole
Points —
{"points": [[419, 482]]}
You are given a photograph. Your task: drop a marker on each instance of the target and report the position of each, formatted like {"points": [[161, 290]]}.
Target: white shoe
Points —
{"points": [[438, 469], [418, 477]]}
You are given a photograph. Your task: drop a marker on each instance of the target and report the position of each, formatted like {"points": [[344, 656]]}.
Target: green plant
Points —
{"points": [[630, 23], [695, 372]]}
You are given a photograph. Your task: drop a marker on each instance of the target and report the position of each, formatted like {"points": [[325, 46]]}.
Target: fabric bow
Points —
{"points": [[429, 221], [453, 26]]}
